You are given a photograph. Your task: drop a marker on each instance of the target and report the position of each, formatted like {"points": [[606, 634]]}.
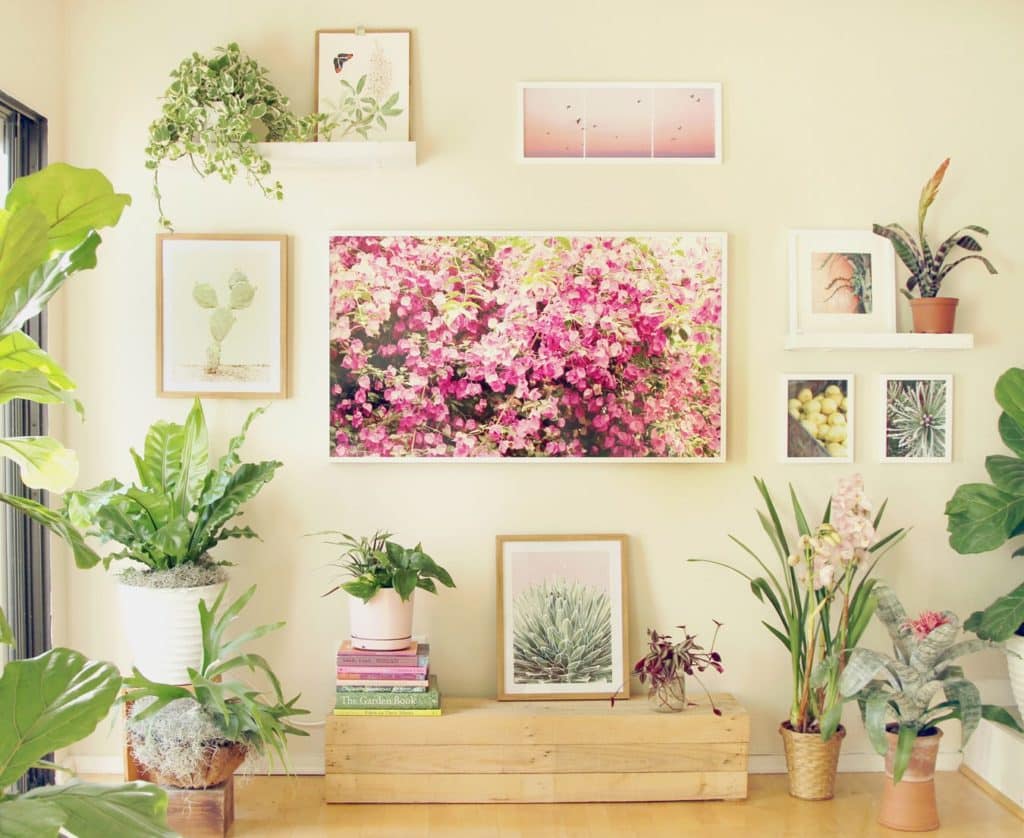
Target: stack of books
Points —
{"points": [[372, 683]]}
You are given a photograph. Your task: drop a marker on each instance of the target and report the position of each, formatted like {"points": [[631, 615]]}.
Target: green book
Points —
{"points": [[390, 700]]}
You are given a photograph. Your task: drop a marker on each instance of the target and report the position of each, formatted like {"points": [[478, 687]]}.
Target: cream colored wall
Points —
{"points": [[835, 113]]}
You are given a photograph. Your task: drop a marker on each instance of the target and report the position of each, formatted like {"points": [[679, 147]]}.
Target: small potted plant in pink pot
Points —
{"points": [[667, 664], [905, 698], [929, 268]]}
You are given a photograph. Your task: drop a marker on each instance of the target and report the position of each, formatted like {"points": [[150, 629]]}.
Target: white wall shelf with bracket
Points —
{"points": [[901, 340], [354, 155]]}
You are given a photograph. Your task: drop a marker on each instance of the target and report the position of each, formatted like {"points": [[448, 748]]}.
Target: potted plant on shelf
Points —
{"points": [[168, 524], [928, 268], [47, 233], [197, 735], [385, 576], [984, 516], [897, 697], [667, 665], [823, 596]]}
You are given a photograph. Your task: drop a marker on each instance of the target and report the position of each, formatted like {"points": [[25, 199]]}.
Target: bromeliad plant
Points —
{"points": [[208, 115], [378, 562], [174, 730], [181, 507], [667, 663], [822, 594], [903, 688], [928, 267], [985, 516]]}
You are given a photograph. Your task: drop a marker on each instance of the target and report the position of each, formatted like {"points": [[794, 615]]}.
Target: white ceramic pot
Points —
{"points": [[163, 631], [384, 623], [1015, 663]]}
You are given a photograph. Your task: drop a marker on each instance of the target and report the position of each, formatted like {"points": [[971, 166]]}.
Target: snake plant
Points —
{"points": [[902, 689], [928, 267]]}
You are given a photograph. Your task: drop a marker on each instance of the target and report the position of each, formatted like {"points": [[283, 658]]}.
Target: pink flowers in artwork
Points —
{"points": [[526, 346]]}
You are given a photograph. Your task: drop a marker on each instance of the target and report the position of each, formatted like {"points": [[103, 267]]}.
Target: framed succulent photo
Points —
{"points": [[918, 418], [562, 617], [221, 315]]}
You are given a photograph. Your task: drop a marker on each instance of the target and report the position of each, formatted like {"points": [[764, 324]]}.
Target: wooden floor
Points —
{"points": [[283, 806]]}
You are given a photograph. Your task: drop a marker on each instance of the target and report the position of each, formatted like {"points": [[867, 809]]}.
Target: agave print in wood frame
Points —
{"points": [[562, 617], [494, 346]]}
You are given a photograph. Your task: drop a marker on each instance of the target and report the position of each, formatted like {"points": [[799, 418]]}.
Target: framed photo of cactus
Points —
{"points": [[521, 346], [562, 617], [362, 85], [918, 418], [841, 281], [221, 321]]}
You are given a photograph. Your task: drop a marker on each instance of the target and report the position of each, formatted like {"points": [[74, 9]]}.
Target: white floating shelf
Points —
{"points": [[902, 340], [354, 155]]}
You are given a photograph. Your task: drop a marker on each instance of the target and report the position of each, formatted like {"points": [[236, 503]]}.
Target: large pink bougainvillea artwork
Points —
{"points": [[531, 345]]}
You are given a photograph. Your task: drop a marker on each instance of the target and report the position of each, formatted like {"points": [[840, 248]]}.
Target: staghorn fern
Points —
{"points": [[562, 634], [927, 268], [916, 419]]}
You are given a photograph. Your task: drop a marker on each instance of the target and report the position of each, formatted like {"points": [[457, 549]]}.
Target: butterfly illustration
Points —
{"points": [[340, 59]]}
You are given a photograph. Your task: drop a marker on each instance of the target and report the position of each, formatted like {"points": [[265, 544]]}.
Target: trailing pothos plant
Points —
{"points": [[378, 562], [47, 234], [208, 116], [898, 693], [928, 267], [50, 702], [235, 711], [181, 506], [985, 516]]}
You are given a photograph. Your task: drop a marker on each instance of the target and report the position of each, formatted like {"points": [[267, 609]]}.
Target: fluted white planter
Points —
{"points": [[384, 623], [1015, 663], [163, 631]]}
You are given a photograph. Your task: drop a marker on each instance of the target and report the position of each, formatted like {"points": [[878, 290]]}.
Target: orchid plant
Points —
{"points": [[822, 594]]}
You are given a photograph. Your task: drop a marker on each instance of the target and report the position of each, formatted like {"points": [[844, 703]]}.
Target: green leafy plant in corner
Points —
{"points": [[181, 506], [916, 420], [50, 702], [209, 116], [903, 688], [240, 295], [985, 516], [561, 634], [230, 709], [378, 562], [356, 112], [928, 268]]}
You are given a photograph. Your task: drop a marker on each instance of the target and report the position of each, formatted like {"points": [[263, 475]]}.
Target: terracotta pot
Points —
{"points": [[909, 805], [384, 623], [934, 315], [221, 762], [811, 762], [670, 697]]}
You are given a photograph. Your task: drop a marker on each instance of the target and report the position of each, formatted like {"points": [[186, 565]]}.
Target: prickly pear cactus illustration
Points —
{"points": [[240, 294], [562, 634]]}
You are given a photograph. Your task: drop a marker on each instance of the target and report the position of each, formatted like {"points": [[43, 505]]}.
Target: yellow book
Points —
{"points": [[353, 711]]}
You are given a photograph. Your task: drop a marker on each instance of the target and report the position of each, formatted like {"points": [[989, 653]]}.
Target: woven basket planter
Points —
{"points": [[811, 763]]}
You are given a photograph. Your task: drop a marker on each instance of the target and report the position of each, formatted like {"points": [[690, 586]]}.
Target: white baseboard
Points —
{"points": [[995, 753]]}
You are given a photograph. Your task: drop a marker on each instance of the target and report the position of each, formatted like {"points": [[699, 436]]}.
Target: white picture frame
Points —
{"points": [[797, 443], [826, 270], [664, 133], [933, 390], [719, 240]]}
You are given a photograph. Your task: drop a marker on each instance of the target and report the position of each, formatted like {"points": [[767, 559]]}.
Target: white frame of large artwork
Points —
{"points": [[723, 384]]}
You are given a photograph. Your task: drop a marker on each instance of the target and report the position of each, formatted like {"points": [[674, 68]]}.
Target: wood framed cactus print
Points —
{"points": [[562, 617], [221, 322], [523, 346]]}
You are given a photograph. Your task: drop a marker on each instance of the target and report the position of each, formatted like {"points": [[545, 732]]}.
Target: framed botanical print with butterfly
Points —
{"points": [[362, 84]]}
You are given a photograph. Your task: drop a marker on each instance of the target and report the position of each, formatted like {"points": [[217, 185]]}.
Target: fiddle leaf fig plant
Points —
{"points": [[985, 516], [928, 268], [378, 562], [208, 116]]}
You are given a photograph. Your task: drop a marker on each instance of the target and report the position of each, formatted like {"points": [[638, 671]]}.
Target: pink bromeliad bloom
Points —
{"points": [[926, 623]]}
